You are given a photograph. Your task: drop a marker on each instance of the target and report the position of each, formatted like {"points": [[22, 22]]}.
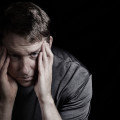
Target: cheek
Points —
{"points": [[32, 64]]}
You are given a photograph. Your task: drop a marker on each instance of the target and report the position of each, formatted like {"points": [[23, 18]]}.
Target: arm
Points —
{"points": [[49, 110], [8, 88], [76, 94], [6, 110], [43, 85]]}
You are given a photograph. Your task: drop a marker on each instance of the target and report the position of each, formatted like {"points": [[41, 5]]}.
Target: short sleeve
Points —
{"points": [[76, 94]]}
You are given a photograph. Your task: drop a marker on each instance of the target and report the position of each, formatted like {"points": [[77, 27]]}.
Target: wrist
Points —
{"points": [[5, 110], [6, 104], [7, 101], [46, 99]]}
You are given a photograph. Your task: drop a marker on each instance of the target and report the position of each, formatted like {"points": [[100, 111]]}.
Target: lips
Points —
{"points": [[25, 78]]}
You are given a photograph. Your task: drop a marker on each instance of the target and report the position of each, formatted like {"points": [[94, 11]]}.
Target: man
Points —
{"points": [[37, 80]]}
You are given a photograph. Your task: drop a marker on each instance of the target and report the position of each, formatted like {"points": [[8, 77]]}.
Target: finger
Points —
{"points": [[2, 57], [5, 66], [49, 52], [40, 62], [45, 59]]}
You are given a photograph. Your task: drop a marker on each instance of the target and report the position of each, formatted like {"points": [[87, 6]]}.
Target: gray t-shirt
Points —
{"points": [[71, 91]]}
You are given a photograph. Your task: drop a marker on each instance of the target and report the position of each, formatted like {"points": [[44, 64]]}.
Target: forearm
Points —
{"points": [[6, 111], [49, 110]]}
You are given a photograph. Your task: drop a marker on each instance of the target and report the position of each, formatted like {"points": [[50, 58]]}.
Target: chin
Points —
{"points": [[26, 84]]}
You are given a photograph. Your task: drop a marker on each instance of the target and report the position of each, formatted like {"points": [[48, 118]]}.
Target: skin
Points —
{"points": [[19, 61]]}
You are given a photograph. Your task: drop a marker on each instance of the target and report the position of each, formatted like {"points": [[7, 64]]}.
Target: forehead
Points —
{"points": [[18, 44]]}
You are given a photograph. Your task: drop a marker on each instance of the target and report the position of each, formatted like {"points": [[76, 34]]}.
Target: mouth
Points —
{"points": [[26, 79]]}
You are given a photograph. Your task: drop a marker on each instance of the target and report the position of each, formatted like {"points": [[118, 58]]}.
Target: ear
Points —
{"points": [[51, 41]]}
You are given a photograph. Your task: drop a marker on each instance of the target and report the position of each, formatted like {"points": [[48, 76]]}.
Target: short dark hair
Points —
{"points": [[26, 19]]}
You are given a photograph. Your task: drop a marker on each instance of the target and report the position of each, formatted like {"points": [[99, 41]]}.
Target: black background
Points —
{"points": [[90, 31]]}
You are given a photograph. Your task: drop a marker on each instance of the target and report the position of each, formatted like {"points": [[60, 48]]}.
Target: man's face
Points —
{"points": [[23, 58]]}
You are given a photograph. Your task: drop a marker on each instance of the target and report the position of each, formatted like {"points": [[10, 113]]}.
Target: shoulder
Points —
{"points": [[72, 85], [68, 71], [65, 58], [63, 54]]}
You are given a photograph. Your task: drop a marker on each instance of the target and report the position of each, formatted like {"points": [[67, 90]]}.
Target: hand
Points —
{"points": [[45, 62], [8, 87]]}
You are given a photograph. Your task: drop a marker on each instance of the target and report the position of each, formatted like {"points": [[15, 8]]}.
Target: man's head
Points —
{"points": [[25, 28], [26, 19]]}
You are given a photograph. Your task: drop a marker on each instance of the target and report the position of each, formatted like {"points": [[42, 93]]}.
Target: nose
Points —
{"points": [[24, 67]]}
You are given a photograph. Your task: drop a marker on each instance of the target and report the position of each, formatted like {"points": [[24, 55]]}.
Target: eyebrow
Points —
{"points": [[17, 53]]}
